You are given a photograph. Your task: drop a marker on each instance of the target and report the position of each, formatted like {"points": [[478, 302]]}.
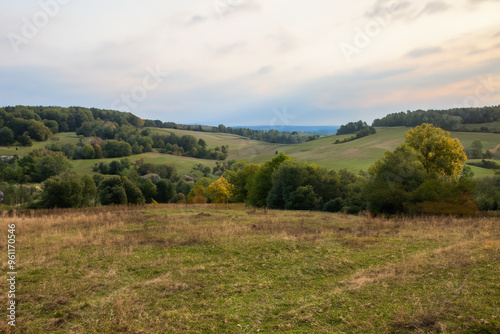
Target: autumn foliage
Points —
{"points": [[220, 191], [439, 153]]}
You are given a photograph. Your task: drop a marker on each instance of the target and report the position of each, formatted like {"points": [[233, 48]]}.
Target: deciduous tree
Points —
{"points": [[439, 153], [220, 191]]}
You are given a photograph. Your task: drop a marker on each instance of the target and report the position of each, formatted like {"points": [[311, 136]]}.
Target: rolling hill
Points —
{"points": [[354, 156]]}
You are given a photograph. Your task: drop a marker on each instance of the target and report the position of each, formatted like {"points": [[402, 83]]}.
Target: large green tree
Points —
{"points": [[393, 178], [261, 183], [423, 175], [241, 180], [440, 154]]}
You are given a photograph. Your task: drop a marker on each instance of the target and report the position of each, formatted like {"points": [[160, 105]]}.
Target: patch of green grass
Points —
{"points": [[61, 138], [183, 164]]}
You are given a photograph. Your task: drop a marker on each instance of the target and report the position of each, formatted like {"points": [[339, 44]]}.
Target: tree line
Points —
{"points": [[358, 130], [270, 136], [451, 119]]}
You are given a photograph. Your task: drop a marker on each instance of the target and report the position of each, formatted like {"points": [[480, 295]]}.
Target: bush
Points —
{"points": [[134, 194], [69, 191], [111, 191], [304, 198], [334, 205], [25, 141], [6, 137], [179, 198], [116, 149], [487, 193], [166, 191]]}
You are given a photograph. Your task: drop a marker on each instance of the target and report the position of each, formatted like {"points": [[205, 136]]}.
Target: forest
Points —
{"points": [[111, 134], [455, 119]]}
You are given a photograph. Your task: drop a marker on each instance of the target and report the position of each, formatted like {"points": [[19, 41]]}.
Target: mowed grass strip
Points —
{"points": [[207, 268]]}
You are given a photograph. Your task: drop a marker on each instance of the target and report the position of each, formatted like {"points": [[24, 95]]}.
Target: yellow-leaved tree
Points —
{"points": [[439, 153], [220, 191]]}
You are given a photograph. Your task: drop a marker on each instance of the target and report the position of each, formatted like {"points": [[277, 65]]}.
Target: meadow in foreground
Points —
{"points": [[218, 269]]}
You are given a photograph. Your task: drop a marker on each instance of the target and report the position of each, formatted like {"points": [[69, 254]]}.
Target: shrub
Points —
{"points": [[334, 205]]}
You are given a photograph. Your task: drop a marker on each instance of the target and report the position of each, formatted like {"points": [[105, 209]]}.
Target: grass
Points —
{"points": [[182, 164], [210, 269], [477, 127]]}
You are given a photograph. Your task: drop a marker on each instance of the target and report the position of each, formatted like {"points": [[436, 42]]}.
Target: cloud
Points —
{"points": [[230, 48], [264, 56], [417, 53], [283, 41], [197, 19], [265, 70], [478, 2], [435, 7], [476, 52], [230, 8], [386, 5], [406, 10], [386, 74]]}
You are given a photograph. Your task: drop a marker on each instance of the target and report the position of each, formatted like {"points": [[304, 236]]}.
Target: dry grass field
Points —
{"points": [[210, 269]]}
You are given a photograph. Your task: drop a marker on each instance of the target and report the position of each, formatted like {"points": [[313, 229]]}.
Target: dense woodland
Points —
{"points": [[110, 134], [453, 119]]}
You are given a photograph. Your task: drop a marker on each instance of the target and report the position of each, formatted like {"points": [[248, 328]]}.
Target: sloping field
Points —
{"points": [[209, 269]]}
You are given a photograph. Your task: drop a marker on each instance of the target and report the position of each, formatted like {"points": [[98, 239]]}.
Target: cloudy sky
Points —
{"points": [[251, 62]]}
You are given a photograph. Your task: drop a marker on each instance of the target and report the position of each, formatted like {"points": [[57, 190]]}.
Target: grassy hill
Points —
{"points": [[209, 269], [354, 156]]}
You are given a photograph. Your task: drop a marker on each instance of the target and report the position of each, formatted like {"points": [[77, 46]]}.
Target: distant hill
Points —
{"points": [[316, 129]]}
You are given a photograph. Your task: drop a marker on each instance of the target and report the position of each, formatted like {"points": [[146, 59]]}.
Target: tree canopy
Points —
{"points": [[220, 191], [439, 153], [423, 175]]}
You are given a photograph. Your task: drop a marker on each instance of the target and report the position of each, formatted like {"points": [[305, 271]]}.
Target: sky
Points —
{"points": [[251, 62]]}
